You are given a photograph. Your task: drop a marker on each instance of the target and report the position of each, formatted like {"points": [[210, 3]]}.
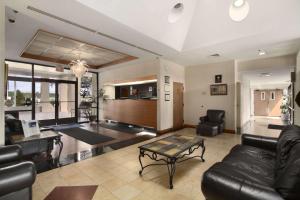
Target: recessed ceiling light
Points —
{"points": [[238, 3], [267, 74], [239, 10], [176, 12], [261, 52], [215, 55]]}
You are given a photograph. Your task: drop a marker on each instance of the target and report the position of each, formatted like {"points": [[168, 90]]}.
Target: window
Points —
{"points": [[262, 96], [272, 95]]}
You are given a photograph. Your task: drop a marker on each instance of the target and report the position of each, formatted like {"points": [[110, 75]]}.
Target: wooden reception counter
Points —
{"points": [[142, 112]]}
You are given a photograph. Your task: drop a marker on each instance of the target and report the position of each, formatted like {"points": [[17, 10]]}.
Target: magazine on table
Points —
{"points": [[30, 127]]}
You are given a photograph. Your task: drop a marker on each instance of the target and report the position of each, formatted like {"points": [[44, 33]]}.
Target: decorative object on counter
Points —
{"points": [[220, 89], [167, 97], [218, 78]]}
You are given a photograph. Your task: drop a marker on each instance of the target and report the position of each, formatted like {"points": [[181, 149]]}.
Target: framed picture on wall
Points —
{"points": [[220, 89], [167, 79], [167, 97], [218, 78]]}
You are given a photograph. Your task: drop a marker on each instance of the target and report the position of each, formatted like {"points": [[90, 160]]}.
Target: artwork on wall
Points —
{"points": [[167, 97], [167, 79], [218, 78], [220, 89]]}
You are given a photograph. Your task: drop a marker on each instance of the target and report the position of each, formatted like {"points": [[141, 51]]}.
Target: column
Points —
{"points": [[2, 57]]}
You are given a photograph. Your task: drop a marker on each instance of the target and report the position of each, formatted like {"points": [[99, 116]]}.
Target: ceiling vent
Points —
{"points": [[176, 13], [89, 29], [215, 55]]}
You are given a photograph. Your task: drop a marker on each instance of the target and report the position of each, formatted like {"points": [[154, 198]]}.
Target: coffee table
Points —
{"points": [[172, 149]]}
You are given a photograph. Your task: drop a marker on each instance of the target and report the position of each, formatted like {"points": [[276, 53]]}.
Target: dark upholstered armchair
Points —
{"points": [[211, 124], [16, 177]]}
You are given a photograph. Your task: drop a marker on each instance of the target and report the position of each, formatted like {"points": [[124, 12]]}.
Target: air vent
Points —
{"points": [[89, 29], [215, 55]]}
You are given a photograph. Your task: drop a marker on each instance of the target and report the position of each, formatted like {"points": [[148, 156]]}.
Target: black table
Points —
{"points": [[172, 150], [40, 143]]}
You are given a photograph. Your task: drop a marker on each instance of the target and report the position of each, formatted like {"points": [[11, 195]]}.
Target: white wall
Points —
{"points": [[2, 56], [197, 92], [297, 89], [245, 111], [176, 73]]}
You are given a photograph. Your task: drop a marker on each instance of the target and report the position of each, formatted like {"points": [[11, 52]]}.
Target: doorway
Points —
{"points": [[178, 105], [55, 101]]}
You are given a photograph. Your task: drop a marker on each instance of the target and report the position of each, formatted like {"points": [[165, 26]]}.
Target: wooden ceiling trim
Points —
{"points": [[41, 54]]}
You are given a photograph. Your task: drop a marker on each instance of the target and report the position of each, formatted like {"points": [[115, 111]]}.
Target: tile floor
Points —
{"points": [[116, 173]]}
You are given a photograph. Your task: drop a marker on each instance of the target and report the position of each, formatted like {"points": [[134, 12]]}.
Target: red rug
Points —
{"points": [[72, 193]]}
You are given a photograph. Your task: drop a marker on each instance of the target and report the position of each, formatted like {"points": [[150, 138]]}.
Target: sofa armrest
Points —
{"points": [[10, 153], [221, 185], [203, 119], [263, 142], [16, 177]]}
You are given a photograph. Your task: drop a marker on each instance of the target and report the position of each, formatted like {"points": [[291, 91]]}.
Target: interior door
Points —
{"points": [[178, 105]]}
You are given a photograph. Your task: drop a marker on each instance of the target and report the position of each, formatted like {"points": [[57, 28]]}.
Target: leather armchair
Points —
{"points": [[211, 124], [16, 177]]}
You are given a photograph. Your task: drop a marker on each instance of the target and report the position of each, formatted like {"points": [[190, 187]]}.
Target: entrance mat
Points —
{"points": [[72, 193], [121, 128], [86, 136]]}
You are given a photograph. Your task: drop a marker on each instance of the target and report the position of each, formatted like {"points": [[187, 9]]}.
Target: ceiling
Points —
{"points": [[204, 27], [60, 49]]}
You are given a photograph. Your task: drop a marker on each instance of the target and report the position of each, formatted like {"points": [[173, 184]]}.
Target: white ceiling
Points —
{"points": [[204, 28]]}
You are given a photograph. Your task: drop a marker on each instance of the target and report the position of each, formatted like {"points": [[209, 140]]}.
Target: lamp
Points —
{"points": [[239, 10], [78, 67]]}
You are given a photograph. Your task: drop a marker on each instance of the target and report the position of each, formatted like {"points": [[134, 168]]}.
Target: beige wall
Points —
{"points": [[176, 73], [2, 56], [297, 89], [197, 92]]}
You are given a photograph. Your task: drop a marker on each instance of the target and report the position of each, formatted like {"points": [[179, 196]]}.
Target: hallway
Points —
{"points": [[259, 126]]}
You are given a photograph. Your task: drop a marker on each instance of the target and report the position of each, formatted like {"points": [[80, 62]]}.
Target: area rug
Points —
{"points": [[86, 136], [72, 193], [121, 128]]}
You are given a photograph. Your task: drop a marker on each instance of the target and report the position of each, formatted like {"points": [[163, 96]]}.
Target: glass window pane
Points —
{"points": [[44, 100], [66, 100], [53, 73], [19, 99], [19, 69]]}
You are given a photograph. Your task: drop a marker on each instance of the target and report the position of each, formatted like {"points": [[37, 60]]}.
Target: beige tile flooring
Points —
{"points": [[116, 173]]}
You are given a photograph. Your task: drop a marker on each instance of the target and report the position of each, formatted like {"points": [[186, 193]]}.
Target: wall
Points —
{"points": [[177, 74], [297, 89], [245, 102], [2, 56], [197, 94]]}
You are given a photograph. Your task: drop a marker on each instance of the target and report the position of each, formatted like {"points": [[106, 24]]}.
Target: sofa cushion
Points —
{"points": [[254, 163], [287, 182], [289, 137]]}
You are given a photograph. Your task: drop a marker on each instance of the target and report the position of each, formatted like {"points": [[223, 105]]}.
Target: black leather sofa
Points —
{"points": [[261, 168], [16, 177], [212, 124]]}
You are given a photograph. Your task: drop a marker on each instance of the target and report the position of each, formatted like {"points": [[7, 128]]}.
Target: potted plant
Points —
{"points": [[285, 114]]}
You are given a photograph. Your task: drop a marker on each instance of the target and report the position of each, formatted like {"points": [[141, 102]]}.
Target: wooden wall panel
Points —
{"points": [[138, 112]]}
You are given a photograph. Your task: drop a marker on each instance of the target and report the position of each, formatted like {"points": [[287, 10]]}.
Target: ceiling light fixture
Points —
{"points": [[176, 13], [261, 52], [79, 67], [239, 10]]}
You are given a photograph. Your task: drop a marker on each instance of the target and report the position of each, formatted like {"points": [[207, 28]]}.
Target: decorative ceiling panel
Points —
{"points": [[60, 49]]}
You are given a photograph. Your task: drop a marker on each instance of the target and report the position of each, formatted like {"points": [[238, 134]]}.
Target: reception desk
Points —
{"points": [[142, 112]]}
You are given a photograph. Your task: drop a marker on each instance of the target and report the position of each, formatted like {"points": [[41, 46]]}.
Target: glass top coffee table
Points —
{"points": [[172, 150]]}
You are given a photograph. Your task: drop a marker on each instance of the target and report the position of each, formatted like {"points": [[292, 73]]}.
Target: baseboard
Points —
{"points": [[189, 126], [229, 131], [160, 132]]}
